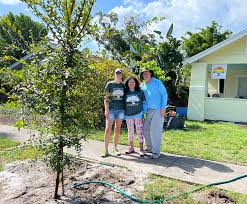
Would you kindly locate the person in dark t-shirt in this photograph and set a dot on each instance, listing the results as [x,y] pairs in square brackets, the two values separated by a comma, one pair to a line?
[135,105]
[114,110]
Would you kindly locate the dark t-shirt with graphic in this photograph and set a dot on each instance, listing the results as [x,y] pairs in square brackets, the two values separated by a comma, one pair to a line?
[116,98]
[133,102]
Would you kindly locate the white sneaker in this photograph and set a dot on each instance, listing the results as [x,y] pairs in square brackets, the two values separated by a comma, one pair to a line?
[142,153]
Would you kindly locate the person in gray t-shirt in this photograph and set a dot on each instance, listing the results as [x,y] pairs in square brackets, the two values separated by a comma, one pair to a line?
[114,110]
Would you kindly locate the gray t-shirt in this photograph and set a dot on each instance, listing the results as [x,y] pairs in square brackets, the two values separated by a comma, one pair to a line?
[116,98]
[134,102]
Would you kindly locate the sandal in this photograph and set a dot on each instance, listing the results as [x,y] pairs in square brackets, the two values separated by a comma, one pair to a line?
[130,151]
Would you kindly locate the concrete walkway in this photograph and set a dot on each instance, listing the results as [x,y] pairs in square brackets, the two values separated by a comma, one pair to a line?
[173,166]
[13,133]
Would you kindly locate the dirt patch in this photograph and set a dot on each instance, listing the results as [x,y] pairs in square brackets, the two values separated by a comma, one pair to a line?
[213,197]
[33,182]
[219,197]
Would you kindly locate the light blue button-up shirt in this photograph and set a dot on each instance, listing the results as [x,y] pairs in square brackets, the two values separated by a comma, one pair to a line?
[155,94]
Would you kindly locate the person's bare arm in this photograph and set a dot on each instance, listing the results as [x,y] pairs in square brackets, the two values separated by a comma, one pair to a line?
[106,104]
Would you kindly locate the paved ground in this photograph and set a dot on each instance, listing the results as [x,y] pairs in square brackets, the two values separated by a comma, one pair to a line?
[174,166]
[15,134]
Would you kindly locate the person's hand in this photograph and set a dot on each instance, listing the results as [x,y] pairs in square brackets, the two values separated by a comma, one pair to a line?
[163,112]
[107,114]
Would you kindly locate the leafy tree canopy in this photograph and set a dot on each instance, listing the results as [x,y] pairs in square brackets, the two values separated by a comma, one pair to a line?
[17,33]
[194,43]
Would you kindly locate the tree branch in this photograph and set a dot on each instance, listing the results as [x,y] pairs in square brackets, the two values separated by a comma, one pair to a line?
[86,21]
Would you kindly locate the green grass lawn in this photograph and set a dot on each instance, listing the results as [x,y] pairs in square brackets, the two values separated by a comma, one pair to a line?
[8,156]
[162,187]
[224,142]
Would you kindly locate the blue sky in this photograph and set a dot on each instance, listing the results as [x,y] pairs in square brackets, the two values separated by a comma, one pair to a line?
[16,6]
[187,15]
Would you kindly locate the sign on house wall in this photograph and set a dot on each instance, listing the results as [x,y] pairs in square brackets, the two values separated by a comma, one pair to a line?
[218,71]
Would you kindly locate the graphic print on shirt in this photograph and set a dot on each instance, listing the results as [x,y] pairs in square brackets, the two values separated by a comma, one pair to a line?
[117,94]
[133,99]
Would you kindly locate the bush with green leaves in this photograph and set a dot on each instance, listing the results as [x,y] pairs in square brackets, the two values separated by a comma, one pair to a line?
[99,73]
[152,65]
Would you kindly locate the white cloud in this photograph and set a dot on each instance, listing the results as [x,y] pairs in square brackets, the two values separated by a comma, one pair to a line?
[9,2]
[136,3]
[237,11]
[124,11]
[188,15]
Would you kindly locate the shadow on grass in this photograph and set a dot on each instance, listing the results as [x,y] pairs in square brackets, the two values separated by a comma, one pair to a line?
[198,127]
[191,127]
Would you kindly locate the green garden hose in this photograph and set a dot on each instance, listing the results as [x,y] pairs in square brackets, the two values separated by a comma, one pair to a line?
[78,185]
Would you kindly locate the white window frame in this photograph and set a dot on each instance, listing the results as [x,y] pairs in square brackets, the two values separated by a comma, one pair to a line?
[237,83]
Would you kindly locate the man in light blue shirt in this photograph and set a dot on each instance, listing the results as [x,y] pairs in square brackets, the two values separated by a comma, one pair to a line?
[156,99]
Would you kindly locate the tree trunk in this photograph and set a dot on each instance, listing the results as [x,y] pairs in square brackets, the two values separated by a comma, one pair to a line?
[62,181]
[57,185]
[61,139]
[62,107]
[60,171]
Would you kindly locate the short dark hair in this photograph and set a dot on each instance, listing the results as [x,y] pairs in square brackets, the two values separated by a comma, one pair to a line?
[137,85]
